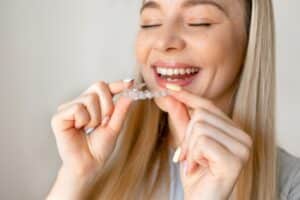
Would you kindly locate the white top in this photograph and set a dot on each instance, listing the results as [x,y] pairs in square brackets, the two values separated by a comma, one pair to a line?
[289,177]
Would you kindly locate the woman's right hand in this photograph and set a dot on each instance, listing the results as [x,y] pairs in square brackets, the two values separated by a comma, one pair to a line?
[83,153]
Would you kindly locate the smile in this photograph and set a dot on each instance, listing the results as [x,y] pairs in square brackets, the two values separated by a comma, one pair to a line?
[178,73]
[175,73]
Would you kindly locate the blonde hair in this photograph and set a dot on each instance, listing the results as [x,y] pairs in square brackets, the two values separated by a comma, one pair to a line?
[139,167]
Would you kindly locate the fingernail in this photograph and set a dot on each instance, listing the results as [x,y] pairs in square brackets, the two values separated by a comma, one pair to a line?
[177,155]
[88,130]
[105,120]
[128,80]
[185,167]
[173,87]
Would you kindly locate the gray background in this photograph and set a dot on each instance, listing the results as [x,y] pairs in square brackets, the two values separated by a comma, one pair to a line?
[51,50]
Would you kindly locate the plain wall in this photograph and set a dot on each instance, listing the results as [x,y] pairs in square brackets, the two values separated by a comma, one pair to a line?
[52,50]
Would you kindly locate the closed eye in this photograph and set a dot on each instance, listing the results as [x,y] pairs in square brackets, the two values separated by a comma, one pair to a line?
[150,26]
[157,25]
[201,24]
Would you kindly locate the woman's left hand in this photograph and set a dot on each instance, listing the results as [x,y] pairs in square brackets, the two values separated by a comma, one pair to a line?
[213,152]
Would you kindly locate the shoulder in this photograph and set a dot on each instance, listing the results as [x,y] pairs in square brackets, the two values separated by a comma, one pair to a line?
[289,175]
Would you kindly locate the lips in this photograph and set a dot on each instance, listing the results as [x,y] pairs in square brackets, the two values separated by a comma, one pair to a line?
[172,64]
[178,73]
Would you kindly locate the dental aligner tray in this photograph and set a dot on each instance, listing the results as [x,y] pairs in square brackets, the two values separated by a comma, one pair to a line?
[140,92]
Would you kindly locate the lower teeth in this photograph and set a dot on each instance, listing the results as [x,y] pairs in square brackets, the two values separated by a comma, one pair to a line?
[168,78]
[174,79]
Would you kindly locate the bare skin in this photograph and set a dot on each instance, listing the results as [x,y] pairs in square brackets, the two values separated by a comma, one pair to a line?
[212,36]
[218,49]
[83,156]
[201,108]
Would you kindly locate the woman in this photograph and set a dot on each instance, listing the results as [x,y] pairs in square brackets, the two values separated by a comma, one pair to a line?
[216,58]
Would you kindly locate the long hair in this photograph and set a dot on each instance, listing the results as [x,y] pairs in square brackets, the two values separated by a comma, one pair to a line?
[139,166]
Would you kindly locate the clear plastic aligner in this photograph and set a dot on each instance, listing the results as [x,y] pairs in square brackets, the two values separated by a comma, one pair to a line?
[138,92]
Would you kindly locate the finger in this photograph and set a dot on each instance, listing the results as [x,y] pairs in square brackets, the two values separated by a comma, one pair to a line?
[179,117]
[195,101]
[104,137]
[203,115]
[91,102]
[74,116]
[105,98]
[231,144]
[114,88]
[119,114]
[185,143]
[189,143]
[218,157]
[119,86]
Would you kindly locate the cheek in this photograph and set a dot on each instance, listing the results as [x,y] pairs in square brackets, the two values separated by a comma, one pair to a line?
[142,48]
[219,49]
[221,54]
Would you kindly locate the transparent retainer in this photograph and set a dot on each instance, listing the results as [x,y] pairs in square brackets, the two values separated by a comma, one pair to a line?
[137,92]
[140,92]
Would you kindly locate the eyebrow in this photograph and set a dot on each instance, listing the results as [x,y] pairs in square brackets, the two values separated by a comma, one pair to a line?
[186,4]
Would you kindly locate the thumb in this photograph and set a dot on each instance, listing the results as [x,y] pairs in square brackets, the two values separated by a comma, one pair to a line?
[179,116]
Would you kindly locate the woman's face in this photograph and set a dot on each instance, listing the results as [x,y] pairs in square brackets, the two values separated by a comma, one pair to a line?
[197,44]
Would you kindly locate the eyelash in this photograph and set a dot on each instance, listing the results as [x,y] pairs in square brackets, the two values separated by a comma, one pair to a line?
[201,24]
[150,26]
[157,25]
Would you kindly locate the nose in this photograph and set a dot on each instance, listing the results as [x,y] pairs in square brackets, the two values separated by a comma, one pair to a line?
[169,40]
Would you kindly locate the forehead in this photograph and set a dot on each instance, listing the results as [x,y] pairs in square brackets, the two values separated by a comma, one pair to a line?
[185,1]
[157,4]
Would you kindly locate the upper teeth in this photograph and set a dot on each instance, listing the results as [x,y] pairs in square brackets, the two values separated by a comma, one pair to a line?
[176,71]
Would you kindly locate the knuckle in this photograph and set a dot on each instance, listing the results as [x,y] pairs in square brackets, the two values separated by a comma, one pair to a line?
[247,139]
[91,98]
[55,122]
[100,85]
[245,154]
[79,107]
